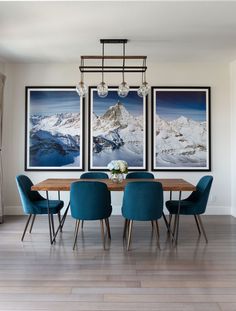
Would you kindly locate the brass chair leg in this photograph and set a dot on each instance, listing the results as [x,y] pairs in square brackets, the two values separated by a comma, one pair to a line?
[129,233]
[157,228]
[26,226]
[170,219]
[82,224]
[158,234]
[108,228]
[102,233]
[125,228]
[59,220]
[152,225]
[52,222]
[175,223]
[76,232]
[202,227]
[198,227]
[32,223]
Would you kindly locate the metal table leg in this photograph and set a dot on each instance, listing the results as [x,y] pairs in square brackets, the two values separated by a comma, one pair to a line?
[49,219]
[61,224]
[177,219]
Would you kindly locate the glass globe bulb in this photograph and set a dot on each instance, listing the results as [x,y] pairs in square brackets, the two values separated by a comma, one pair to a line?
[143,89]
[102,89]
[82,89]
[123,89]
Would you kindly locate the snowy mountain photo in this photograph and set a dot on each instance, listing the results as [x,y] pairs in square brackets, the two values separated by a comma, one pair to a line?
[118,130]
[180,129]
[54,136]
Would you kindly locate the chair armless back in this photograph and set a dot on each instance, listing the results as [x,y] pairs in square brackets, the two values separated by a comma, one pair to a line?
[90,200]
[201,195]
[94,175]
[144,175]
[143,201]
[28,197]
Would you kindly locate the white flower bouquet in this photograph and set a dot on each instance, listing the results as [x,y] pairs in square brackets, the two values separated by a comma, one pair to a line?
[118,167]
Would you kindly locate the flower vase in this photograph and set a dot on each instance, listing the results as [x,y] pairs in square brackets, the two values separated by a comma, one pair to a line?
[117,177]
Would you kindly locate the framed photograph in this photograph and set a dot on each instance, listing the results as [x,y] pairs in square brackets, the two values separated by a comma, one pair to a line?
[54,129]
[181,129]
[117,129]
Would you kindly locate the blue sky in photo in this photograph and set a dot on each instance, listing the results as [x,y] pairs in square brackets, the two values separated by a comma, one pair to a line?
[133,103]
[52,102]
[171,105]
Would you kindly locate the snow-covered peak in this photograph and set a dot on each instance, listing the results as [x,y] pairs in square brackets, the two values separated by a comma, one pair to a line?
[117,112]
[64,123]
[183,120]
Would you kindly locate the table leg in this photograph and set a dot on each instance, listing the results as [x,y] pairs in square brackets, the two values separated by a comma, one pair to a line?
[49,219]
[177,219]
[61,224]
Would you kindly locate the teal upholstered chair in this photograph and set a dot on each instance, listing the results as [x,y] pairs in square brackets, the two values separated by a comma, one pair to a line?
[34,204]
[90,200]
[140,175]
[94,175]
[195,204]
[142,201]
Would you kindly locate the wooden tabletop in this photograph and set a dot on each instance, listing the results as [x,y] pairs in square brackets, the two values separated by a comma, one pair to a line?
[63,184]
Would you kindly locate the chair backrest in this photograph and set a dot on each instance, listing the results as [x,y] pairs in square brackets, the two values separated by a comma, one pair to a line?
[28,197]
[201,195]
[89,200]
[94,175]
[143,200]
[134,175]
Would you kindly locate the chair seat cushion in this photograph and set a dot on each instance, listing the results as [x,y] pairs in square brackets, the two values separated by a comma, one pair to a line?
[186,207]
[54,205]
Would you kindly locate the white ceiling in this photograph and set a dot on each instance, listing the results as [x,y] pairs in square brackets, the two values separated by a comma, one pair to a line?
[164,31]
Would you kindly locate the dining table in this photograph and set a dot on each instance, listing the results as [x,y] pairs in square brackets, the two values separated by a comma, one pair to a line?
[63,184]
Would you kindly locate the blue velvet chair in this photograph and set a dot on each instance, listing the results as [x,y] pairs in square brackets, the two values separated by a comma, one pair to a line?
[94,175]
[194,205]
[142,201]
[90,200]
[134,175]
[34,204]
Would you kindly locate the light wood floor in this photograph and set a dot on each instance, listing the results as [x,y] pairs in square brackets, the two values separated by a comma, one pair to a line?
[192,277]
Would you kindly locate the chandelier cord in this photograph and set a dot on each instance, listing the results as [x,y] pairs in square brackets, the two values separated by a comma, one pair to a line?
[103,63]
[123,73]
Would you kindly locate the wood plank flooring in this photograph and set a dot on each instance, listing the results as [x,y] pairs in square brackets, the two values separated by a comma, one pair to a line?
[192,277]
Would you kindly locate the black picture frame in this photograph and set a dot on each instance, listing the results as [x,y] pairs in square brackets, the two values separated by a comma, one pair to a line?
[193,153]
[91,167]
[73,147]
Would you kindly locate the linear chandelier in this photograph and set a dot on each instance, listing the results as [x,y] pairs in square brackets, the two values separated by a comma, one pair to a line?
[102,88]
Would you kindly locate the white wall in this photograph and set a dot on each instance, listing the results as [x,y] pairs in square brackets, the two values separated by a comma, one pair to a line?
[162,74]
[233,136]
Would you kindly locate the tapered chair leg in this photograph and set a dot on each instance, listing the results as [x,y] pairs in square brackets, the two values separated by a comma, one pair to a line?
[198,227]
[170,219]
[102,233]
[59,220]
[26,226]
[52,222]
[129,233]
[158,234]
[108,228]
[82,224]
[125,228]
[202,227]
[32,223]
[76,232]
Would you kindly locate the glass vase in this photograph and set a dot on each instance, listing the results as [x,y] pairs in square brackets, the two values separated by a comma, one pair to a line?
[117,177]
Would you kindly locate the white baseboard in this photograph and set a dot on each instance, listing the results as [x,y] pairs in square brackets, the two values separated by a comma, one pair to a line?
[116,210]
